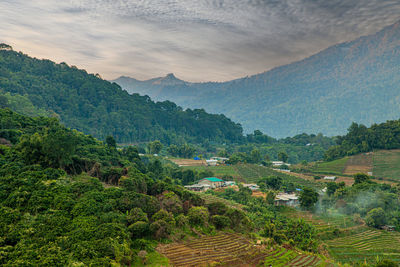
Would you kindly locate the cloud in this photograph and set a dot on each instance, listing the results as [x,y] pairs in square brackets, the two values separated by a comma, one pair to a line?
[197,40]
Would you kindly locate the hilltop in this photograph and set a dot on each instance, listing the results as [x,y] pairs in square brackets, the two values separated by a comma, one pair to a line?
[352,81]
[95,106]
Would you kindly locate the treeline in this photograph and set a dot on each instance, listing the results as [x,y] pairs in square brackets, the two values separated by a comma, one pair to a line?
[56,210]
[361,139]
[97,107]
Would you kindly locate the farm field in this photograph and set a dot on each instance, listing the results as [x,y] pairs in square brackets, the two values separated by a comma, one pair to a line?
[386,164]
[251,173]
[331,167]
[188,162]
[360,243]
[361,163]
[365,245]
[232,250]
[220,170]
[323,223]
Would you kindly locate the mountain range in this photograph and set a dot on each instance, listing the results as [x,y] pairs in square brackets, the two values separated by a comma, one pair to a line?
[356,81]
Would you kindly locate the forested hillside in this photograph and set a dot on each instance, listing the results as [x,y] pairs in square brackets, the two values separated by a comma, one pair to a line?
[353,81]
[363,139]
[90,104]
[67,199]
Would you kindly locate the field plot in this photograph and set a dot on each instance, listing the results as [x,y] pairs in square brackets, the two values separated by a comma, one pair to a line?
[188,162]
[223,249]
[219,171]
[331,167]
[361,163]
[366,246]
[386,164]
[252,173]
[232,250]
[323,223]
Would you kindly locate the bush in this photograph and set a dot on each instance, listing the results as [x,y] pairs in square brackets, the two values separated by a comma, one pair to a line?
[198,215]
[139,229]
[220,221]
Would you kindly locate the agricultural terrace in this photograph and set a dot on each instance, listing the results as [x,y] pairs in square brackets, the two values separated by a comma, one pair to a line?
[365,244]
[251,173]
[386,164]
[335,167]
[323,222]
[355,242]
[232,250]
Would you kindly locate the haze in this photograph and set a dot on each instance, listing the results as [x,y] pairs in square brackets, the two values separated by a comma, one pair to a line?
[196,40]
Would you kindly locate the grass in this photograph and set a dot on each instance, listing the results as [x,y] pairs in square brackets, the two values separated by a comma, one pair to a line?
[153,259]
[386,164]
[331,167]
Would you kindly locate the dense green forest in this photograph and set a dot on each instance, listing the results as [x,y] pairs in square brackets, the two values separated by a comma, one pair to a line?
[67,198]
[90,104]
[363,139]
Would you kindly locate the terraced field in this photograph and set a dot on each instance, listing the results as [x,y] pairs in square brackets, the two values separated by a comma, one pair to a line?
[366,246]
[232,250]
[335,167]
[386,164]
[223,249]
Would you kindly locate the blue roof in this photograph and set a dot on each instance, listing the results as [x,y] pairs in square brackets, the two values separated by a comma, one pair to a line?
[213,179]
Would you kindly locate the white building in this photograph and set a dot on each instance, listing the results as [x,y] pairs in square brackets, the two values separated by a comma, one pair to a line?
[330,178]
[211,162]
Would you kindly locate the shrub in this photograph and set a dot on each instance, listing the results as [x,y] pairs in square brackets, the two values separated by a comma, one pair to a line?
[198,215]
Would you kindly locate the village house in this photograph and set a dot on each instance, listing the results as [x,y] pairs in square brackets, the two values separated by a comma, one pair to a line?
[330,178]
[220,160]
[229,183]
[211,162]
[279,163]
[284,199]
[214,182]
[252,187]
[198,187]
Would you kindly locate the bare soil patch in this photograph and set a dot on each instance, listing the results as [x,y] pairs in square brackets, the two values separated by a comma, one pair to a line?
[189,162]
[361,163]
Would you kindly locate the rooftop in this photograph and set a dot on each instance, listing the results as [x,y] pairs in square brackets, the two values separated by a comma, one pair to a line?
[213,179]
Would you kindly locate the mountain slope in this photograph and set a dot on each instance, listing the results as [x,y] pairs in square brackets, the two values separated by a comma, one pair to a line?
[90,104]
[353,81]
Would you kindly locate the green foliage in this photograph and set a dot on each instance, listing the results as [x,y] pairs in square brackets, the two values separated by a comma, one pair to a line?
[360,178]
[86,102]
[154,147]
[198,215]
[376,218]
[360,139]
[308,197]
[183,151]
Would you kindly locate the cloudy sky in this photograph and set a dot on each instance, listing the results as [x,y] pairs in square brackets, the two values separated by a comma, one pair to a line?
[198,40]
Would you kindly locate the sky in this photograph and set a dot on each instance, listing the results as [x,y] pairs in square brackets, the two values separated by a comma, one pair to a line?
[197,40]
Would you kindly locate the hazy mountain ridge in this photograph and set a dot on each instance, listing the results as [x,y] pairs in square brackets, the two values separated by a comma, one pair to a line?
[352,81]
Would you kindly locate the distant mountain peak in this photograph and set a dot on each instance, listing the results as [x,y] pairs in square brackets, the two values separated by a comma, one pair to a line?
[169,79]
